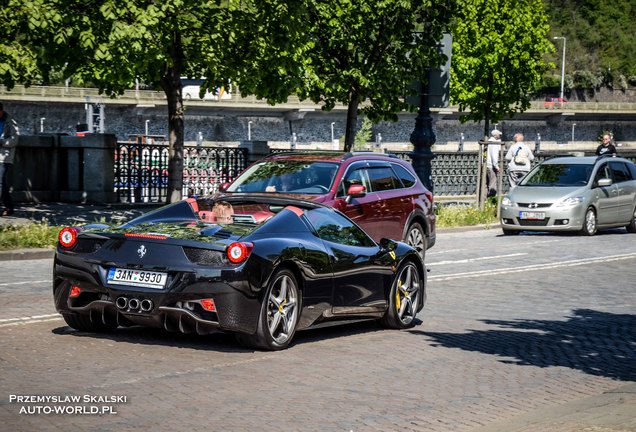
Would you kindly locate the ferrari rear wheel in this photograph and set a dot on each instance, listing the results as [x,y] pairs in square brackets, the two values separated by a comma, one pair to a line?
[279,314]
[75,320]
[405,298]
[84,323]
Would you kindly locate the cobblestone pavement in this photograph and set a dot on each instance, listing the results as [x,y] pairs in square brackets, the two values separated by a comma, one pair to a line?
[513,328]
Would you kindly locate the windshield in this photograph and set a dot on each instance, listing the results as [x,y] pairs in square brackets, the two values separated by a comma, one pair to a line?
[288,176]
[562,175]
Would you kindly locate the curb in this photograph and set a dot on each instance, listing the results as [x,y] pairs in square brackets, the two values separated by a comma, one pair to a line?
[481,227]
[26,254]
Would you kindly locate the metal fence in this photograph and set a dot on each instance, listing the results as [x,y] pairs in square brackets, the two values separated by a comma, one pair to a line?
[141,169]
[455,173]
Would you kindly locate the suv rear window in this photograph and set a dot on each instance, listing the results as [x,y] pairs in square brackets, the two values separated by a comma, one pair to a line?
[407,178]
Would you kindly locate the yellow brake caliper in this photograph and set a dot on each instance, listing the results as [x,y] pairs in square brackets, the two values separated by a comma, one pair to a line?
[398,301]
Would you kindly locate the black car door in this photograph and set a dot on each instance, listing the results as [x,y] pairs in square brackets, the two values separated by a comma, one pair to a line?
[358,278]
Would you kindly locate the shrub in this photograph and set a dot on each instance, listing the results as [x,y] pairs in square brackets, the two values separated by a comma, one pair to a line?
[30,235]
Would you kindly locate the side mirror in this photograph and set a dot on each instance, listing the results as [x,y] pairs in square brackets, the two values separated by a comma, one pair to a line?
[355,191]
[604,182]
[387,245]
[224,187]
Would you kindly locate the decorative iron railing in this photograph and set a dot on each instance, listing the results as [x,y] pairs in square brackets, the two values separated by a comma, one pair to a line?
[455,173]
[141,169]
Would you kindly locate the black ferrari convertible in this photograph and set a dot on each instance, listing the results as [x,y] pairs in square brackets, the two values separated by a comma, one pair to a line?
[258,266]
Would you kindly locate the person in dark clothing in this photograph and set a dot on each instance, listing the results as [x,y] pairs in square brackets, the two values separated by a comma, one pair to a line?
[8,141]
[606,148]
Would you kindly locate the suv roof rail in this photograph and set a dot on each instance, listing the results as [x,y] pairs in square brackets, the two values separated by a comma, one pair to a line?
[308,152]
[368,153]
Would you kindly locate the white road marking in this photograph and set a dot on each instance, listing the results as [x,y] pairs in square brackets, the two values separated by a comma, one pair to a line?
[28,320]
[25,282]
[544,266]
[476,259]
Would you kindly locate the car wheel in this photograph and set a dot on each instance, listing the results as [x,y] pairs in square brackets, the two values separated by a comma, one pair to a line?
[416,238]
[85,324]
[589,224]
[631,227]
[510,232]
[279,314]
[404,298]
[78,322]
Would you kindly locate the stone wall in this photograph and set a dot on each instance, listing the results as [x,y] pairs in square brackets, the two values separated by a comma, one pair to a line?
[314,129]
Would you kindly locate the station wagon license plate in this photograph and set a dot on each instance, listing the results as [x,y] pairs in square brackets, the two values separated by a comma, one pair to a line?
[139,278]
[528,215]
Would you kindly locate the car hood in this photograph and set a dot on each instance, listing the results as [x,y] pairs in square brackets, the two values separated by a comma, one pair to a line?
[530,194]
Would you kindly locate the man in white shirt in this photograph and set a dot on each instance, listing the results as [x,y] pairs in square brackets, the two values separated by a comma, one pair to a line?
[519,159]
[492,161]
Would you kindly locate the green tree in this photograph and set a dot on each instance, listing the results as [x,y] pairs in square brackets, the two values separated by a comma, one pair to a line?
[363,135]
[18,59]
[113,43]
[362,54]
[498,57]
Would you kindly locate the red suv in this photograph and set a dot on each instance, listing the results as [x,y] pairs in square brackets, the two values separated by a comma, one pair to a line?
[381,193]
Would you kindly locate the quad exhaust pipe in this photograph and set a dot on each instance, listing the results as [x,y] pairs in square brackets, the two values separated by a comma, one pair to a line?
[121,303]
[133,304]
[145,305]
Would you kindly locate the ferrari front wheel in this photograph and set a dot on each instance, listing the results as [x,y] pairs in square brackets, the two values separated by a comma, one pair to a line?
[279,314]
[404,298]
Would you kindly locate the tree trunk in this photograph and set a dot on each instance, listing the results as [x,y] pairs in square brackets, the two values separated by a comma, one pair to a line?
[171,84]
[352,120]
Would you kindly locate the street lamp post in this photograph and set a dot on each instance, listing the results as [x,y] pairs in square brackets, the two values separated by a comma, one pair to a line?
[562,65]
[423,137]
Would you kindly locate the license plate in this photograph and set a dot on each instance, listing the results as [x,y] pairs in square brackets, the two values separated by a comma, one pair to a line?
[531,215]
[139,278]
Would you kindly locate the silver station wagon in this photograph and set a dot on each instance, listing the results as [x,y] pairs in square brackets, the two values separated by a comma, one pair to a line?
[581,194]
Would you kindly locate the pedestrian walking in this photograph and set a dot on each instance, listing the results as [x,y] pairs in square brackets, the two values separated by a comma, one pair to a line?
[606,147]
[8,141]
[492,161]
[519,157]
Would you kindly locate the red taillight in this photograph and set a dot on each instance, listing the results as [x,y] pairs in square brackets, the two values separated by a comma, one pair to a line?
[208,305]
[67,237]
[74,292]
[238,252]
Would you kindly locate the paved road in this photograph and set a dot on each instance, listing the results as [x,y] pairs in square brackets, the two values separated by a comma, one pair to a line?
[513,326]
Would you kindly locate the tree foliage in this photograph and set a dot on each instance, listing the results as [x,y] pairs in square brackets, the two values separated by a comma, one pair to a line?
[358,53]
[601,41]
[113,43]
[498,57]
[19,59]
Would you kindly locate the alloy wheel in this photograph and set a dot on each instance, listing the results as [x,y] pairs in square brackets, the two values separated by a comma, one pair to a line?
[590,222]
[407,294]
[282,310]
